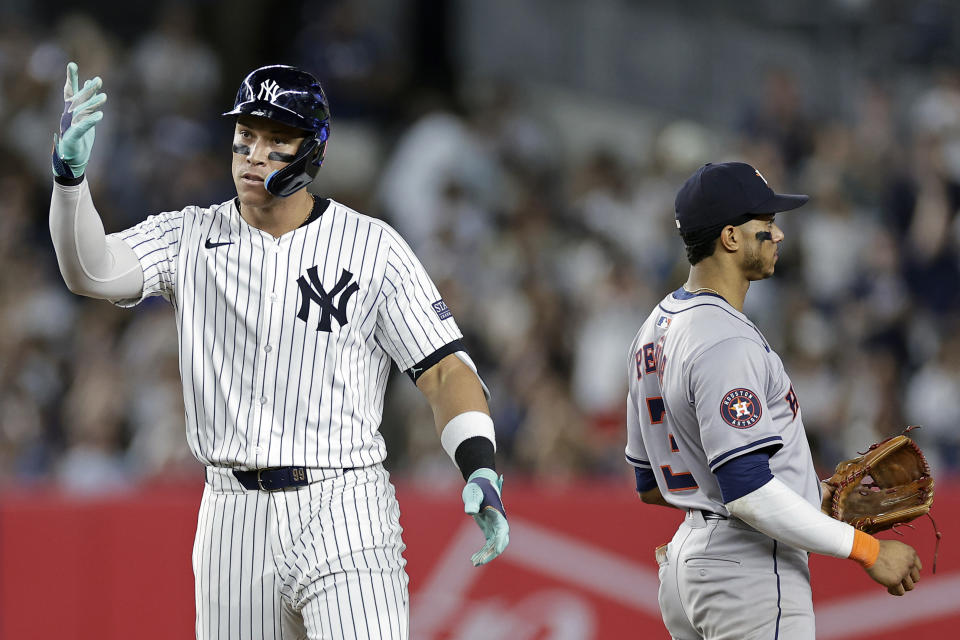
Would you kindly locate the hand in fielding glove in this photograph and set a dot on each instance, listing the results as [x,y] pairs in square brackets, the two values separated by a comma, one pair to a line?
[888,485]
[481,499]
[81,111]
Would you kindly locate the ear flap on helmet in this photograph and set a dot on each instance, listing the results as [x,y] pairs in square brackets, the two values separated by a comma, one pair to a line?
[299,173]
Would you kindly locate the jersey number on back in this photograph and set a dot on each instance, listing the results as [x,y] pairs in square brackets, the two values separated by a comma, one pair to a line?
[650,359]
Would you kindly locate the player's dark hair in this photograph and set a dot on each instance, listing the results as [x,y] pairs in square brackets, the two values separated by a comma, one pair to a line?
[701,243]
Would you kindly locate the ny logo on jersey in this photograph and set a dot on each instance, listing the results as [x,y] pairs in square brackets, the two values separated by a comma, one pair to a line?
[268,91]
[313,291]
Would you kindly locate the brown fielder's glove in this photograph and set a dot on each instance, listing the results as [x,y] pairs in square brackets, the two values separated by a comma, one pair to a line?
[887,486]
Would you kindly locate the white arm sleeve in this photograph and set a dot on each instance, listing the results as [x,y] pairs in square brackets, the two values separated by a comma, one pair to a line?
[781,513]
[91,263]
[467,360]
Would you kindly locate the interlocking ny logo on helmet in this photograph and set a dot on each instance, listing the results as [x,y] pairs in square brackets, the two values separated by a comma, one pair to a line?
[294,98]
[268,91]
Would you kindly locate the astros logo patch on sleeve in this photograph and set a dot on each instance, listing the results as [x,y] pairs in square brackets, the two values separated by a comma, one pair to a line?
[741,408]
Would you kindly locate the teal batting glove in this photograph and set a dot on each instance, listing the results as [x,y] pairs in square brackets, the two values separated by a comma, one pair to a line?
[481,499]
[81,111]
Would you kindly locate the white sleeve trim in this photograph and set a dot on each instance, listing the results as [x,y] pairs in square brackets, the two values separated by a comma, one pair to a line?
[466,425]
[91,263]
[781,513]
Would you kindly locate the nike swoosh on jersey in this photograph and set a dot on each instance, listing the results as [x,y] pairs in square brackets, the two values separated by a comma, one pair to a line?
[213,245]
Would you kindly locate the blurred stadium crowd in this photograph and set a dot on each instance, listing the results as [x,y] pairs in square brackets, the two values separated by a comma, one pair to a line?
[549,260]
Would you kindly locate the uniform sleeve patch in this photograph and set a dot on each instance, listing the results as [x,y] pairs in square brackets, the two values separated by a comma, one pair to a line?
[740,408]
[441,308]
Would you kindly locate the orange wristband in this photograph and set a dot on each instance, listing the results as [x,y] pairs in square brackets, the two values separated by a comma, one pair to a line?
[866,548]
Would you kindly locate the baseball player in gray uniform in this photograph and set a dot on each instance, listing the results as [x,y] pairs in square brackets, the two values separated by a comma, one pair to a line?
[714,427]
[289,309]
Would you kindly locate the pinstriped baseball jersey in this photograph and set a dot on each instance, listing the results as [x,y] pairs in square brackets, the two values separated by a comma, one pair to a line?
[285,343]
[705,387]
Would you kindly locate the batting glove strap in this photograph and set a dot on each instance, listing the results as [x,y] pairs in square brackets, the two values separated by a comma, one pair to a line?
[489,484]
[61,170]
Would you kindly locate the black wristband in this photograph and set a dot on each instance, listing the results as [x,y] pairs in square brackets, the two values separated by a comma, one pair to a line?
[68,182]
[474,453]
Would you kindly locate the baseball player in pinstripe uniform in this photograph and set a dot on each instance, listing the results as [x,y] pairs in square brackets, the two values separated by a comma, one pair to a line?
[714,427]
[289,309]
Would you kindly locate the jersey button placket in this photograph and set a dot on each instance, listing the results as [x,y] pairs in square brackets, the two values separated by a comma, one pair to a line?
[271,320]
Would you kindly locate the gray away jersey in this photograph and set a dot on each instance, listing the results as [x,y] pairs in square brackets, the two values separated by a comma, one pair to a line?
[705,387]
[285,343]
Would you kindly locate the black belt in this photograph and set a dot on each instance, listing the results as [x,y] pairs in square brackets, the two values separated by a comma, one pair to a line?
[709,515]
[273,479]
[732,521]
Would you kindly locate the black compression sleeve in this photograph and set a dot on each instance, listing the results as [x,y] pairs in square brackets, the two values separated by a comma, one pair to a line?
[68,182]
[474,453]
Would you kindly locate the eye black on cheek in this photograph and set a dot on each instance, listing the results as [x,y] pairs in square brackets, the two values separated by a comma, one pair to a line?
[241,149]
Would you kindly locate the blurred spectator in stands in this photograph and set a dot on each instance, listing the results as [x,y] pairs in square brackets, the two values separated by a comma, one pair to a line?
[781,116]
[875,149]
[833,235]
[603,203]
[171,123]
[933,401]
[921,208]
[94,423]
[362,69]
[872,396]
[438,149]
[607,320]
[878,307]
[171,69]
[553,440]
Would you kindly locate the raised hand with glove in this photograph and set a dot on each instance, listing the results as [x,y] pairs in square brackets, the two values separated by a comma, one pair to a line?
[81,112]
[92,264]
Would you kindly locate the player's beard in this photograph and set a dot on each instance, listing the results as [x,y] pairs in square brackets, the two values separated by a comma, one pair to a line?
[754,266]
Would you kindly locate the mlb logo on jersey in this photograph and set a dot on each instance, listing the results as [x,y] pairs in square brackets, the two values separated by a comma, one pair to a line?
[740,408]
[663,322]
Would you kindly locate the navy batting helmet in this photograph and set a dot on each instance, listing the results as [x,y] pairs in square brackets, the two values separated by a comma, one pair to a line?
[294,98]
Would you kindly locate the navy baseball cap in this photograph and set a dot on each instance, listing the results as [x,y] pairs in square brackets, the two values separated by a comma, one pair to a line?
[727,193]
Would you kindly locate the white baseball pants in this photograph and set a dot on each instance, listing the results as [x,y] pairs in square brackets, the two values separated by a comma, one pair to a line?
[319,562]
